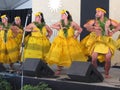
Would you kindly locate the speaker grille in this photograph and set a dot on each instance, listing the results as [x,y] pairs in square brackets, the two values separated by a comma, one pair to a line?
[84,72]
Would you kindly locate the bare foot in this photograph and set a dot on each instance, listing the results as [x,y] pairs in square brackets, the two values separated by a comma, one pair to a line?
[108,76]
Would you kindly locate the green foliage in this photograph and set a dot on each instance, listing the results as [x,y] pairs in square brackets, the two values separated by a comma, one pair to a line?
[40,86]
[4,85]
[28,87]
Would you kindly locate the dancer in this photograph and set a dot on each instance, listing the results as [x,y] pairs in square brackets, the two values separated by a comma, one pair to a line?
[38,43]
[99,43]
[17,21]
[9,49]
[17,29]
[65,47]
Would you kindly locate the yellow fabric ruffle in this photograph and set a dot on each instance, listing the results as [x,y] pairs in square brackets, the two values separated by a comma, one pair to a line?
[18,38]
[9,50]
[87,42]
[99,44]
[64,50]
[37,45]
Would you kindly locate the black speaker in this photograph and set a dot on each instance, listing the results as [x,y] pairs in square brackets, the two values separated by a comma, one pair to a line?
[36,67]
[2,68]
[84,72]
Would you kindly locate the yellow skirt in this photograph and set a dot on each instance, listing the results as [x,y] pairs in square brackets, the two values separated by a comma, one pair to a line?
[18,39]
[63,51]
[36,47]
[87,42]
[9,51]
[99,44]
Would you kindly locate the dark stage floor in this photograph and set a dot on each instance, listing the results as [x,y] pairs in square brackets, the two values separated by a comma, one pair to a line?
[113,82]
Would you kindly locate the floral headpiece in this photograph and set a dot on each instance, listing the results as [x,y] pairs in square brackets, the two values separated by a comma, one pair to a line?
[17,17]
[4,16]
[101,9]
[38,14]
[64,12]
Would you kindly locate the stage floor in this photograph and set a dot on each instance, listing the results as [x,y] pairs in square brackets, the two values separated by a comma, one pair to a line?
[113,82]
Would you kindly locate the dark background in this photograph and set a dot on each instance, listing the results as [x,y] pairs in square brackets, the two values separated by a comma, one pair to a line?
[21,12]
[88,12]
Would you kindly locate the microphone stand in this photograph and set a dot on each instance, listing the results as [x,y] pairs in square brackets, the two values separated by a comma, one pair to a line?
[22,49]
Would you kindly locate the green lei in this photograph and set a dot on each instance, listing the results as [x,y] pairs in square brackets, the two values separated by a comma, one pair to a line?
[40,26]
[19,26]
[102,25]
[66,27]
[6,30]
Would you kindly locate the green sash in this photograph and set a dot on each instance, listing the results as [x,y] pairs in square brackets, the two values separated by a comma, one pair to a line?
[66,27]
[40,26]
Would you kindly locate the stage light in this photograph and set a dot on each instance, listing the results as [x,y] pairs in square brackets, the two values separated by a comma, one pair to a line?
[54,5]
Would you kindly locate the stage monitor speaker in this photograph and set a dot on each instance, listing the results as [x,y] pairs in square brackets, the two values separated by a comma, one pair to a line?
[84,72]
[2,68]
[36,67]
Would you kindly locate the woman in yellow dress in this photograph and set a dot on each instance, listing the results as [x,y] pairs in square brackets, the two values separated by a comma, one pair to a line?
[9,50]
[99,43]
[19,29]
[38,43]
[65,47]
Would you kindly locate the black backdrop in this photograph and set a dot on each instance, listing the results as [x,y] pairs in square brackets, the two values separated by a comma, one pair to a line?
[88,11]
[20,12]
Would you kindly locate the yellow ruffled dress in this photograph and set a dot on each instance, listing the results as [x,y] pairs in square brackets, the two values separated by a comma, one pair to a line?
[37,45]
[64,50]
[9,50]
[18,38]
[99,44]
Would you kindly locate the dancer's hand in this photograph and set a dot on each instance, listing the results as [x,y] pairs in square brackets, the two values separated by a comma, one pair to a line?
[110,33]
[34,30]
[64,28]
[75,36]
[48,36]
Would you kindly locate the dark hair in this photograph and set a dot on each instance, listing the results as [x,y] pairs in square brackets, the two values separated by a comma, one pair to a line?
[42,19]
[13,23]
[69,16]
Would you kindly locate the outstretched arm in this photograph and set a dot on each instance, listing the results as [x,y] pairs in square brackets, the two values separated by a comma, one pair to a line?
[30,27]
[50,32]
[56,26]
